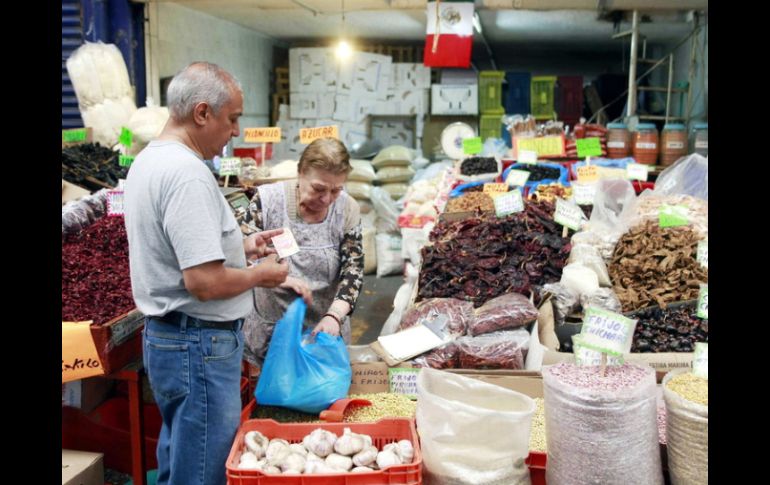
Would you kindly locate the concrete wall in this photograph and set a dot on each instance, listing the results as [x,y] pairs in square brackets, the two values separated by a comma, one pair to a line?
[699,91]
[179,35]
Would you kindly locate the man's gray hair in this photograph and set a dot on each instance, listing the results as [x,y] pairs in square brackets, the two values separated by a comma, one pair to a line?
[199,82]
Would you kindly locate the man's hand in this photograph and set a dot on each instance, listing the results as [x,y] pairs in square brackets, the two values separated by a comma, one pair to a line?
[255,245]
[271,272]
[299,287]
[327,325]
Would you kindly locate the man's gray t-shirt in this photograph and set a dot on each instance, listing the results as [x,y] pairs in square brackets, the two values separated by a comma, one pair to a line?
[177,218]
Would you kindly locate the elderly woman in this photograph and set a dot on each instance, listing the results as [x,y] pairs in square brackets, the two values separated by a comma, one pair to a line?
[328,270]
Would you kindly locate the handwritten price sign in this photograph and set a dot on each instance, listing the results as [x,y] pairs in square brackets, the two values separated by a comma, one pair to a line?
[262,135]
[703,302]
[607,332]
[309,135]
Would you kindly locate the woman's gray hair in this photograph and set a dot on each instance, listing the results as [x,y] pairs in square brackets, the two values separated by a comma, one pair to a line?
[199,82]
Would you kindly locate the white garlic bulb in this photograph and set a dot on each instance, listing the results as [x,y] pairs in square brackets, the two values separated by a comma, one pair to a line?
[365,457]
[320,442]
[406,451]
[318,467]
[387,458]
[294,462]
[339,462]
[361,469]
[298,448]
[256,442]
[367,440]
[277,451]
[349,443]
[248,456]
[272,470]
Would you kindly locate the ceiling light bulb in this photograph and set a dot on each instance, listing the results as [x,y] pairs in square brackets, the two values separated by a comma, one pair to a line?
[343,50]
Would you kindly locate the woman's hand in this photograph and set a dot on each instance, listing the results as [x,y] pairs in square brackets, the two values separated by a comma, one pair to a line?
[327,325]
[300,288]
[255,245]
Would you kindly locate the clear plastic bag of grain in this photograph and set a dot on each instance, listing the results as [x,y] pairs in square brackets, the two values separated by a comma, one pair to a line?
[601,429]
[687,427]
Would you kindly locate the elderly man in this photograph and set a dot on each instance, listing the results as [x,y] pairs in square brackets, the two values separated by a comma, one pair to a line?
[189,276]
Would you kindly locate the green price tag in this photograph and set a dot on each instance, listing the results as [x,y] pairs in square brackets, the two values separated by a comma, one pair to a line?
[607,332]
[126,137]
[673,215]
[589,147]
[125,160]
[703,253]
[508,203]
[472,146]
[230,166]
[703,302]
[74,136]
[585,356]
[700,362]
[568,214]
[402,380]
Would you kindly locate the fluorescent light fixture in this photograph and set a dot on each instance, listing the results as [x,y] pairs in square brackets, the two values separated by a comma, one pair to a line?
[343,50]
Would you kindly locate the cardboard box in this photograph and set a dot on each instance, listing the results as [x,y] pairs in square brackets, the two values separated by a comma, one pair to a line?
[87,394]
[311,106]
[82,468]
[312,70]
[394,131]
[365,75]
[523,381]
[353,109]
[404,102]
[447,99]
[369,377]
[459,76]
[353,133]
[71,191]
[407,75]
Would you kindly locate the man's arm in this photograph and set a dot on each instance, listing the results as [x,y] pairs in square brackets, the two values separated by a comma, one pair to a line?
[214,281]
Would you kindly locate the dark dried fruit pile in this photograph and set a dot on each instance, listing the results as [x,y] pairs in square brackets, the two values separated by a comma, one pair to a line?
[654,266]
[479,258]
[92,166]
[539,172]
[478,165]
[669,330]
[96,283]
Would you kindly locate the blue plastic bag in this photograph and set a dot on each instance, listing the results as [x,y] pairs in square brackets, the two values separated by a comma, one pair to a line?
[300,372]
[532,185]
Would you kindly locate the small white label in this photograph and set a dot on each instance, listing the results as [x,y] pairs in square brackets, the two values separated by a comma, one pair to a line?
[588,357]
[509,203]
[644,145]
[527,156]
[517,178]
[584,194]
[403,381]
[285,244]
[675,145]
[122,184]
[616,144]
[115,206]
[230,166]
[568,214]
[607,332]
[700,362]
[636,171]
[701,144]
[703,302]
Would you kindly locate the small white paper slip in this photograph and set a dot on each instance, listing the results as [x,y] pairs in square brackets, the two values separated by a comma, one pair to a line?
[568,214]
[508,203]
[703,253]
[527,156]
[700,362]
[285,244]
[115,203]
[636,171]
[517,178]
[584,194]
[411,342]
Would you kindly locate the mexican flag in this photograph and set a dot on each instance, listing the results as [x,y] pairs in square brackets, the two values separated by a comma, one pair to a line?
[450,34]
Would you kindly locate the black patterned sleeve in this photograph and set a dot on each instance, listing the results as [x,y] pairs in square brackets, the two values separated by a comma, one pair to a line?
[252,221]
[351,267]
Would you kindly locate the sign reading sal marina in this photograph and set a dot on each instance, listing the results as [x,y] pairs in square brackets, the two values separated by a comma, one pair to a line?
[270,134]
[308,135]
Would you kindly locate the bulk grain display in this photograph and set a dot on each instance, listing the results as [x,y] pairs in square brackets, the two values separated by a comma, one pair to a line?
[601,429]
[687,426]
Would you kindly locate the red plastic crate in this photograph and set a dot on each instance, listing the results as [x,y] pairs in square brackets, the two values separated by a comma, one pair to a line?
[247,410]
[383,432]
[536,463]
[106,430]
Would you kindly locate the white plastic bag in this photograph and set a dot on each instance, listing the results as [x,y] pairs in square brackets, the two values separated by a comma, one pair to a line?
[362,171]
[688,176]
[472,432]
[413,240]
[580,279]
[392,175]
[393,156]
[98,72]
[359,190]
[107,119]
[370,250]
[396,191]
[389,260]
[146,124]
[589,256]
[387,211]
[401,301]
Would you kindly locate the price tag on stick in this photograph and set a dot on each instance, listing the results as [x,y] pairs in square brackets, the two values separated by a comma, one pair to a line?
[700,362]
[568,215]
[508,203]
[517,178]
[703,253]
[607,332]
[472,146]
[703,302]
[308,135]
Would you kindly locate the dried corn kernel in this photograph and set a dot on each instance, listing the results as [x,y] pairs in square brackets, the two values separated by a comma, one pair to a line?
[537,434]
[690,387]
[384,405]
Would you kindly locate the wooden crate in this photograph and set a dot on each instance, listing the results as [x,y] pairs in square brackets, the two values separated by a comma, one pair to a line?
[119,341]
[282,80]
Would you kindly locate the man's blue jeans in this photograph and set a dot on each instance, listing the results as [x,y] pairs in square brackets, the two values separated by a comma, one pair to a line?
[195,378]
